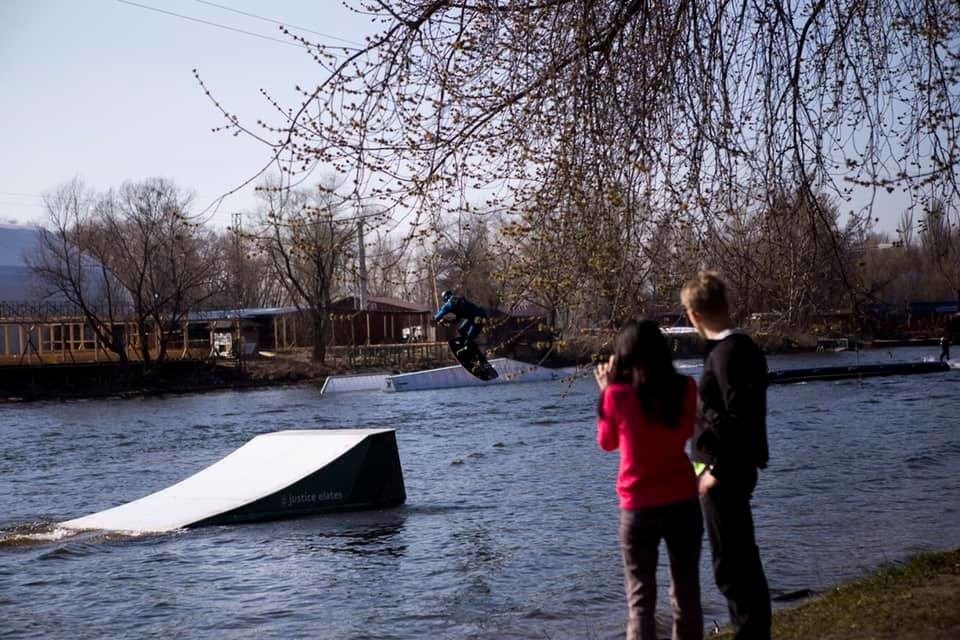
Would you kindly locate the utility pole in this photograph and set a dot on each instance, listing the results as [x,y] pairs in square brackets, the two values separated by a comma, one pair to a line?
[362,265]
[239,280]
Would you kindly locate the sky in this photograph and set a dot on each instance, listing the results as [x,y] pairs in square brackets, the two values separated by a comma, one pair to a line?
[104,90]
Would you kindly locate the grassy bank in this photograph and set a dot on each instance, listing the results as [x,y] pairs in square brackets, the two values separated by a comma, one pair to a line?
[919,600]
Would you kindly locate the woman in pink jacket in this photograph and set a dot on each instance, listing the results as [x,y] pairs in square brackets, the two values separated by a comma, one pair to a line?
[647,411]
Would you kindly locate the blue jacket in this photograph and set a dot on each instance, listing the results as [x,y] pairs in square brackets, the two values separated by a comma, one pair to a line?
[460,307]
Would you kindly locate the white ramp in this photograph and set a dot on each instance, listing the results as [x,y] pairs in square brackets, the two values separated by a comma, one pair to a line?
[276,475]
[359,382]
[456,376]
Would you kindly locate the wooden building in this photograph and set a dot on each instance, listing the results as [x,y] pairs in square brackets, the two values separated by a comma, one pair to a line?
[384,321]
[230,333]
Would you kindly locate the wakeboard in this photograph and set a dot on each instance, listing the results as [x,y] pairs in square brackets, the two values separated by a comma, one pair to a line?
[472,359]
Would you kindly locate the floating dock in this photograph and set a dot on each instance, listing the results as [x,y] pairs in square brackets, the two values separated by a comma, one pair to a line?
[277,475]
[856,371]
[510,371]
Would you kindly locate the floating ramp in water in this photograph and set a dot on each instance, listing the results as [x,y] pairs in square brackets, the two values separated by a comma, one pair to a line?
[358,382]
[456,376]
[277,475]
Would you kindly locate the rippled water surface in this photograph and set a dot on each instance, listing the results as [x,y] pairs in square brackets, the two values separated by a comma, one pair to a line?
[510,527]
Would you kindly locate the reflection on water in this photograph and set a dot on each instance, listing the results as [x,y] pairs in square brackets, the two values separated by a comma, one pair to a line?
[510,529]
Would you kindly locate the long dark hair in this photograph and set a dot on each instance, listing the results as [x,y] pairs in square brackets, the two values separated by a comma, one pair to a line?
[643,359]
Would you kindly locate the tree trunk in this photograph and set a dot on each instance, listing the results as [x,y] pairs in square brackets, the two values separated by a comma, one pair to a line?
[319,338]
[144,339]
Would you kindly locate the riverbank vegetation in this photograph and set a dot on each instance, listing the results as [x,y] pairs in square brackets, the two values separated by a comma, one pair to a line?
[182,268]
[919,599]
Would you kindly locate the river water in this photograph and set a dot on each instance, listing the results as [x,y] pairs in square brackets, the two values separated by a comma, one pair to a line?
[510,526]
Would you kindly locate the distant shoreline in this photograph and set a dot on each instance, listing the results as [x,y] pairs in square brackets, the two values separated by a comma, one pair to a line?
[109,380]
[103,380]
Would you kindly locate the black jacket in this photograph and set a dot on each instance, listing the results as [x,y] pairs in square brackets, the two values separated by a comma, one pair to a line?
[731,430]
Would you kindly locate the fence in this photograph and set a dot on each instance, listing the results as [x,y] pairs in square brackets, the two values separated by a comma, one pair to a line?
[389,355]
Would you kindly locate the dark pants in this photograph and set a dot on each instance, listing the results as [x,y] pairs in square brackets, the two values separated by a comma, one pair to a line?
[469,328]
[736,558]
[681,526]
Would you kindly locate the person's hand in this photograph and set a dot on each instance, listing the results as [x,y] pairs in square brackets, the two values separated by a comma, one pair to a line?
[707,481]
[604,373]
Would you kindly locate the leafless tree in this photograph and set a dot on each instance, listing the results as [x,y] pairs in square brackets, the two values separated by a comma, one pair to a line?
[465,262]
[163,260]
[129,255]
[308,236]
[734,246]
[905,232]
[579,116]
[396,268]
[244,276]
[891,272]
[941,243]
[796,272]
[67,264]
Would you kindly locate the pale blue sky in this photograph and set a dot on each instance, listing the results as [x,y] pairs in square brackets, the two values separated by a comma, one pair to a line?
[104,90]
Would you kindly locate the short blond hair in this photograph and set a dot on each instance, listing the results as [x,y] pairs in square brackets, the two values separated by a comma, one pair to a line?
[706,295]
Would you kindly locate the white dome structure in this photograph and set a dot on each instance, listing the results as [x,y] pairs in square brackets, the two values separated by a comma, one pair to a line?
[38,323]
[17,282]
[20,286]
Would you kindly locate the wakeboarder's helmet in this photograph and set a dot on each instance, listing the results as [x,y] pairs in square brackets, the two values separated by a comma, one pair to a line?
[446,295]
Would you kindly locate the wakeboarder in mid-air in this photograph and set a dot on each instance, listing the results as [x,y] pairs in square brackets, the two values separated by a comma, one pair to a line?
[470,319]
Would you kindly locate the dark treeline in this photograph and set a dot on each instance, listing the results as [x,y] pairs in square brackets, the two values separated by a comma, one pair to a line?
[137,252]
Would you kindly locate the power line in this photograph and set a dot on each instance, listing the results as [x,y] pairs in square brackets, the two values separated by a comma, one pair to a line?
[21,204]
[211,24]
[282,24]
[21,194]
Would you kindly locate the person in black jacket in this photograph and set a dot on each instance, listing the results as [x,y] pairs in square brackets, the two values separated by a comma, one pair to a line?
[729,446]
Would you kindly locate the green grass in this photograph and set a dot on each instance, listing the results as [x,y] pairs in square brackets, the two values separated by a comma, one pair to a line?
[919,600]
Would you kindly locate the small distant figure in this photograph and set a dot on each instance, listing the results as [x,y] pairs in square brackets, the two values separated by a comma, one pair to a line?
[470,317]
[944,348]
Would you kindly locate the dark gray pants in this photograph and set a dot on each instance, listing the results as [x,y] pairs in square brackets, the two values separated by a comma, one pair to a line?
[681,526]
[736,558]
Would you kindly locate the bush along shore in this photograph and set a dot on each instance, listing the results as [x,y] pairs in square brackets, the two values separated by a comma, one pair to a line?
[918,599]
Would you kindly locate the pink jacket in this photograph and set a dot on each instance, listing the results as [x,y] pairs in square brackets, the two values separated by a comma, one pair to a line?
[654,467]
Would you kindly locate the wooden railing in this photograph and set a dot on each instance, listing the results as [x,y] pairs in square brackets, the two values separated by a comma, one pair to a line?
[389,355]
[87,356]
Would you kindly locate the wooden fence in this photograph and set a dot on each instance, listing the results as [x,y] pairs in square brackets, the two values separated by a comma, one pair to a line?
[389,355]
